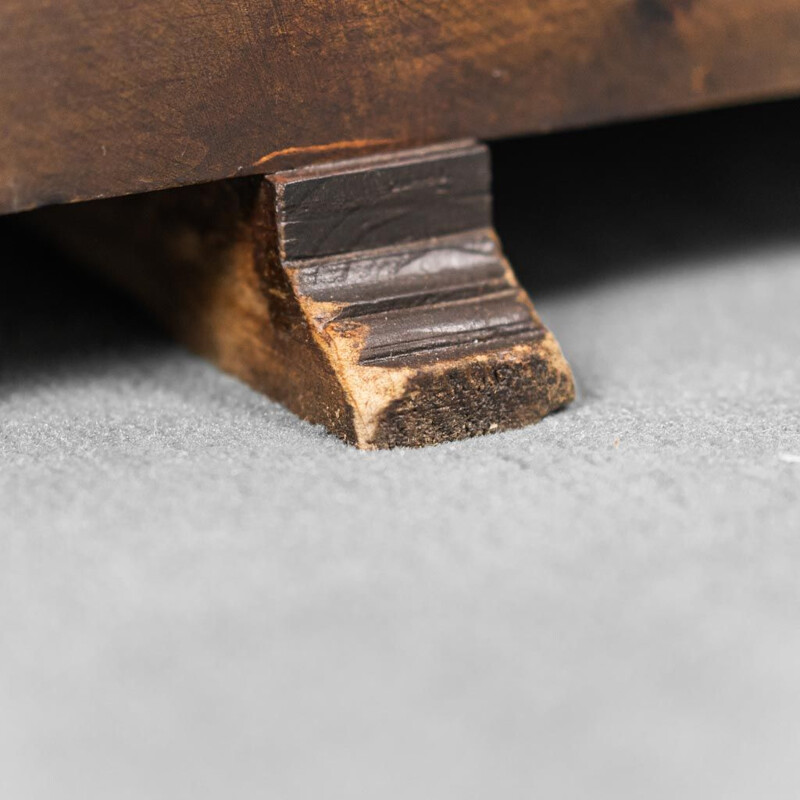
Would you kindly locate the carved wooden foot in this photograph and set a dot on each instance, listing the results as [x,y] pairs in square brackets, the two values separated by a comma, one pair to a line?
[369,295]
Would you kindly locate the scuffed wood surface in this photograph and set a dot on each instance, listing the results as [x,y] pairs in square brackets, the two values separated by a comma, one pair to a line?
[392,321]
[109,97]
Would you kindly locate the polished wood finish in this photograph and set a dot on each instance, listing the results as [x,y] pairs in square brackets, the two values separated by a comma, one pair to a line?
[369,295]
[109,97]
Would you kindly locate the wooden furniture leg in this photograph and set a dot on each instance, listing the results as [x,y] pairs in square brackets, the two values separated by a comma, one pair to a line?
[370,295]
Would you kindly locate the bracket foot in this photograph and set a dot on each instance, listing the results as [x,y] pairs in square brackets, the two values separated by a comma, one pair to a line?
[369,295]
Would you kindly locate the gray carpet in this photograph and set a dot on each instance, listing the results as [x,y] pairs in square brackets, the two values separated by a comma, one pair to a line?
[202,597]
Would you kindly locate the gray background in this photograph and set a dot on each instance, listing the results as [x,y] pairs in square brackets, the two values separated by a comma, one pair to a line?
[201,596]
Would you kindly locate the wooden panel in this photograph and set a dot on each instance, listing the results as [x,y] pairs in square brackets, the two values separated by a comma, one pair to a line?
[107,97]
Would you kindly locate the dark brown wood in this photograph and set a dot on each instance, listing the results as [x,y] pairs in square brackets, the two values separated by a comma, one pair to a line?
[109,97]
[368,295]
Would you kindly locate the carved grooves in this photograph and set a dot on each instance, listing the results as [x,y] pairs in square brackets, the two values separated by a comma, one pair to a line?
[402,249]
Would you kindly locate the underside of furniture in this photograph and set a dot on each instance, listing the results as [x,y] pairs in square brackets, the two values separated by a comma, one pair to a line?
[369,295]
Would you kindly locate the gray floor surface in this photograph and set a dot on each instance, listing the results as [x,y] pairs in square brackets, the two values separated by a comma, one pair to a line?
[201,596]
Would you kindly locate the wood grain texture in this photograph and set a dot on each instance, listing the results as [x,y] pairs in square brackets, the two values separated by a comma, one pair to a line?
[392,320]
[109,97]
